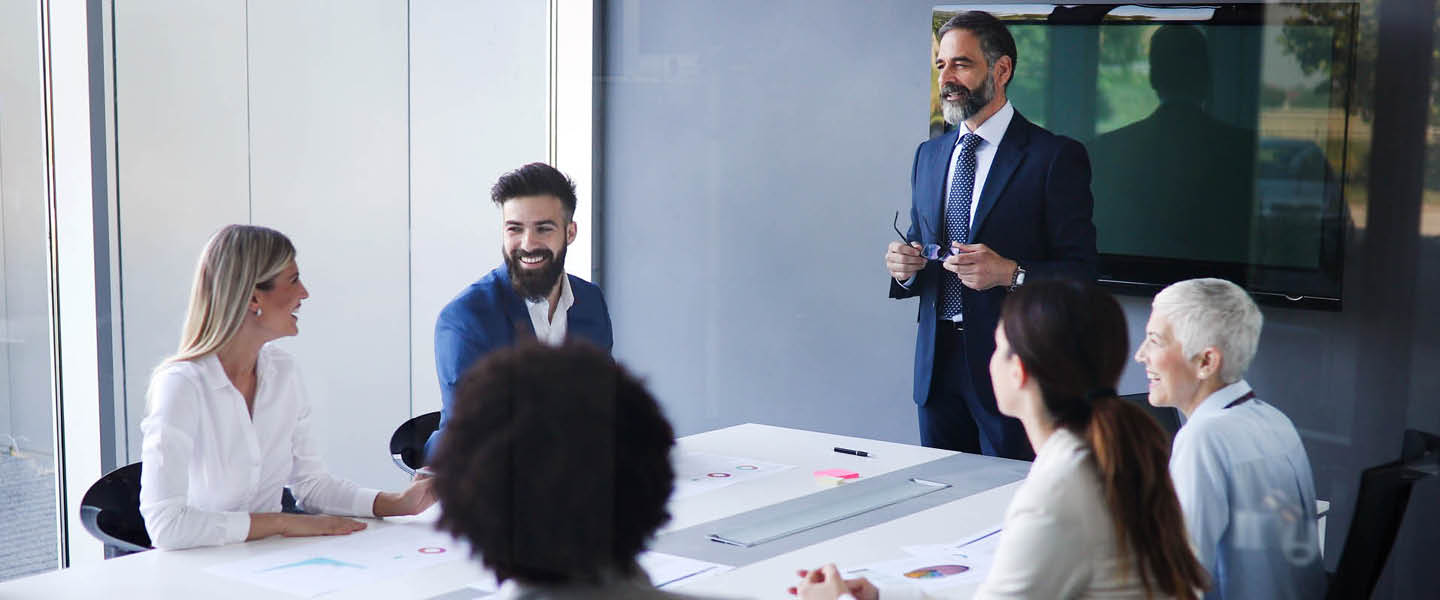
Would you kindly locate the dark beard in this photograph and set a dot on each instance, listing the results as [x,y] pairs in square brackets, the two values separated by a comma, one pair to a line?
[971,102]
[534,284]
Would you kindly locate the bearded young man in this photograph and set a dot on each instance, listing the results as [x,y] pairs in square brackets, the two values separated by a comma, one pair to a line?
[1009,203]
[529,296]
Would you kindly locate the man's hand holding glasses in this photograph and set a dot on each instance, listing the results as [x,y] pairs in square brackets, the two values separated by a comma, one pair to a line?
[906,257]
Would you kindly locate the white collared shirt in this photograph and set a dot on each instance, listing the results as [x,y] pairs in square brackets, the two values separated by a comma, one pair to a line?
[547,330]
[1248,495]
[991,131]
[208,465]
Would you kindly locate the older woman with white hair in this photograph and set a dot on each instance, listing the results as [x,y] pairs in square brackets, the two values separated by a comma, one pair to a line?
[228,425]
[1240,471]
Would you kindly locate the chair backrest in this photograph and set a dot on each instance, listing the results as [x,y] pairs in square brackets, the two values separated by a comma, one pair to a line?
[1169,418]
[110,511]
[407,444]
[1379,511]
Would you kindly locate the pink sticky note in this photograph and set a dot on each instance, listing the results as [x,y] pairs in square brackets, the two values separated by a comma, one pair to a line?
[837,473]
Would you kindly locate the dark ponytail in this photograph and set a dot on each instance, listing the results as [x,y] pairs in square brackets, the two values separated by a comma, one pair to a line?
[1132,454]
[1072,339]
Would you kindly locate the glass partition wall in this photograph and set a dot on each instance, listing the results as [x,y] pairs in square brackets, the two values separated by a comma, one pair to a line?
[29,531]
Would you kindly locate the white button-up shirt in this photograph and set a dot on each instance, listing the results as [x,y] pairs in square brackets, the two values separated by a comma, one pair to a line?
[991,132]
[208,465]
[1248,496]
[547,330]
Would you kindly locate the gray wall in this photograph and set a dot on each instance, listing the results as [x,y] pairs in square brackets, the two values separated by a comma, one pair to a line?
[752,156]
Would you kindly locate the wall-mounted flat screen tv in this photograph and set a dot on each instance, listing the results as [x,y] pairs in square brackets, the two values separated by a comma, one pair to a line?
[1217,135]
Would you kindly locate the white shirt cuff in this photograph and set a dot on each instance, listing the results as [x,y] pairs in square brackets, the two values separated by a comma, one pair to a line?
[236,527]
[364,503]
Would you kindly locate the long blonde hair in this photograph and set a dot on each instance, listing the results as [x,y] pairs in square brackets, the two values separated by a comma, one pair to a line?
[237,260]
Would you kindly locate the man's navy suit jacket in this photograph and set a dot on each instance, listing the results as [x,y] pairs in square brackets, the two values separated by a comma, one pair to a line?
[1035,209]
[488,315]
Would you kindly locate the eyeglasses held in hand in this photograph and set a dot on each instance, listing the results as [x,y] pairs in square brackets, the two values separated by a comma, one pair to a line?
[929,251]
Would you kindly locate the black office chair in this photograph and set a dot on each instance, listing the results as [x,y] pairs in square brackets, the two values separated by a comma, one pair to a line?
[407,444]
[110,511]
[1379,511]
[1169,418]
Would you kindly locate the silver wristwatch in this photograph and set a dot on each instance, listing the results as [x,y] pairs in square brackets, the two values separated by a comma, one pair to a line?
[1018,279]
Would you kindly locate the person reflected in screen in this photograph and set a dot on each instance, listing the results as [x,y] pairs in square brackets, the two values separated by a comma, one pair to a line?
[529,296]
[1097,515]
[228,425]
[557,471]
[1179,183]
[1240,469]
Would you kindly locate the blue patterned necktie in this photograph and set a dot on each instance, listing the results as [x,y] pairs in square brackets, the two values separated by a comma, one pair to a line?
[957,221]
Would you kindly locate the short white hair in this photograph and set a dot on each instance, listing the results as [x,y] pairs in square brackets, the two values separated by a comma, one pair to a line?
[1213,313]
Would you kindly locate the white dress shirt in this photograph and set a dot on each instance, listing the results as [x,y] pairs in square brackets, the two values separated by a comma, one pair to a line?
[1058,540]
[990,132]
[208,465]
[1248,496]
[547,330]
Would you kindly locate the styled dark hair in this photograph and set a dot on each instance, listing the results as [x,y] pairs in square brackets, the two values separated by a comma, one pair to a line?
[555,464]
[1072,338]
[995,38]
[535,179]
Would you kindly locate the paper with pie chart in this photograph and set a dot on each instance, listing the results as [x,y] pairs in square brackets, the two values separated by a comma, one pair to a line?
[340,562]
[699,472]
[934,566]
[927,572]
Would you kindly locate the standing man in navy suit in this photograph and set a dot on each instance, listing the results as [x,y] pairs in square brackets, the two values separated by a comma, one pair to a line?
[1009,203]
[529,295]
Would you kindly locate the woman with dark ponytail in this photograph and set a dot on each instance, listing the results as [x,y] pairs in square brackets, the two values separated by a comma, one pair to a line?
[1097,516]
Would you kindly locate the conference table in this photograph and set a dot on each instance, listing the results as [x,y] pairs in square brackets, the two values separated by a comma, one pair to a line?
[763,571]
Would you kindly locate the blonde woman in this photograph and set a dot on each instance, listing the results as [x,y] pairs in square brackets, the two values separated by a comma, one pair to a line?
[228,424]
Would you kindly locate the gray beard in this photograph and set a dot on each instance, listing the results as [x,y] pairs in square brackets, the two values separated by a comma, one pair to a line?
[956,112]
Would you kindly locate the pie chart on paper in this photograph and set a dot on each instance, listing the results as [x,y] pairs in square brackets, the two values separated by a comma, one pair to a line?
[936,572]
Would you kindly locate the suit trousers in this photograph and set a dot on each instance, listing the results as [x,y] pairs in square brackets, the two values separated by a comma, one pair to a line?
[954,417]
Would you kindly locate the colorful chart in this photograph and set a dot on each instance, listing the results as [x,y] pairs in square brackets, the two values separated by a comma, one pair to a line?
[936,572]
[316,566]
[698,472]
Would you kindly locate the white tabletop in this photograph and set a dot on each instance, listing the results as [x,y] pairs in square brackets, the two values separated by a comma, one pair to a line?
[809,451]
[942,524]
[158,575]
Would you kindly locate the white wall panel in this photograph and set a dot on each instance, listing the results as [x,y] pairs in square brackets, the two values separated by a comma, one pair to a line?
[181,164]
[328,152]
[477,110]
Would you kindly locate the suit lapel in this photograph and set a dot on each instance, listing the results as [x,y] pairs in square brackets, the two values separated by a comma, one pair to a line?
[938,164]
[1007,158]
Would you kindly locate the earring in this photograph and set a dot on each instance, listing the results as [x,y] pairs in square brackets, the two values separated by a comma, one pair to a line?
[257,313]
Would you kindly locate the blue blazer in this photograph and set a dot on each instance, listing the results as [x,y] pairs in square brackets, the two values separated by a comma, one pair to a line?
[488,315]
[1035,209]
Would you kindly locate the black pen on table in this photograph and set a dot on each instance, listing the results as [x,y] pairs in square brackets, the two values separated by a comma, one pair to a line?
[852,452]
